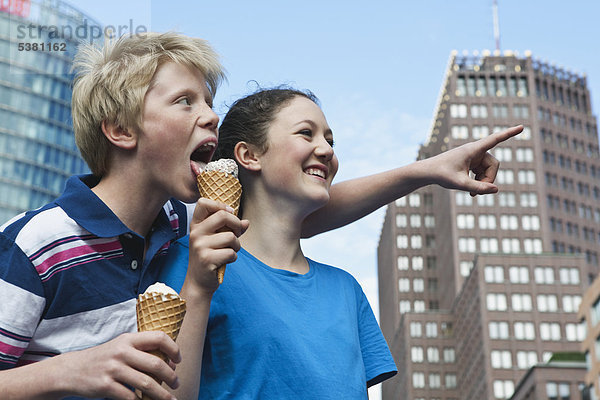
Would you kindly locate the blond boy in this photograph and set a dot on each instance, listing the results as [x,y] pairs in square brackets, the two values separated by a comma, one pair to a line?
[70,272]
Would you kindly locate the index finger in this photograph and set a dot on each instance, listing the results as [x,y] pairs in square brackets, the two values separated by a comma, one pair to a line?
[498,137]
[206,207]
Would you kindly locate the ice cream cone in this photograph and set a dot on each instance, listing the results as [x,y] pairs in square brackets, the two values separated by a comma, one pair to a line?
[159,312]
[223,187]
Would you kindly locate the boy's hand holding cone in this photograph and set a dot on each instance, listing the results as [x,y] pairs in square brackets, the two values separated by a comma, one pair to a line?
[218,181]
[160,308]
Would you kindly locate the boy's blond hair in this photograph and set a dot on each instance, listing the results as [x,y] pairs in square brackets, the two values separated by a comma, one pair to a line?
[111,82]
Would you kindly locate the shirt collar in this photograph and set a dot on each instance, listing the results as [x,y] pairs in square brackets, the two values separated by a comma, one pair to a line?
[82,205]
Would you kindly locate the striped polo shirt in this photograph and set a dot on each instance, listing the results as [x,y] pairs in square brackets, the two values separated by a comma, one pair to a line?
[70,273]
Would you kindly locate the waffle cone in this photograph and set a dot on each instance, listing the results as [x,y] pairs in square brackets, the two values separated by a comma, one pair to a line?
[156,312]
[223,187]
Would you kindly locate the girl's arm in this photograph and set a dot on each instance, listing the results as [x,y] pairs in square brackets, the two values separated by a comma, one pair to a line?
[353,199]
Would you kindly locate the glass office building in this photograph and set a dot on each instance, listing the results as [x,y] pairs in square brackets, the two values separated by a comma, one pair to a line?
[38,40]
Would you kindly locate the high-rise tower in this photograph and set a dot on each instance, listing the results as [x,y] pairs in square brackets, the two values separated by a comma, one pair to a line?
[474,291]
[38,40]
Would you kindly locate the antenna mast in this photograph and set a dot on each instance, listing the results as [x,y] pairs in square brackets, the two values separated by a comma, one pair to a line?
[496,25]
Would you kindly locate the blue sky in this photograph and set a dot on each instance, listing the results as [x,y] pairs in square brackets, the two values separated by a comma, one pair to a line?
[376,66]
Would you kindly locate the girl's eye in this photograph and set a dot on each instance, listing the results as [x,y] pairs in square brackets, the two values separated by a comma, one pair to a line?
[331,142]
[306,132]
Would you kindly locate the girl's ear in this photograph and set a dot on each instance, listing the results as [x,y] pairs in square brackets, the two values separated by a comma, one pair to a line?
[247,156]
[123,138]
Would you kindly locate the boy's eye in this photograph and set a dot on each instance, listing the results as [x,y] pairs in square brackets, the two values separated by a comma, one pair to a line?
[185,101]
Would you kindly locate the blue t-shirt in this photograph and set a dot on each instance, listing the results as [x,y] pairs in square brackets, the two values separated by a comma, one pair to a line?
[275,334]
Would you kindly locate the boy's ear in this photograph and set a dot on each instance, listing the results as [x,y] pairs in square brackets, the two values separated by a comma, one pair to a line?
[118,136]
[247,156]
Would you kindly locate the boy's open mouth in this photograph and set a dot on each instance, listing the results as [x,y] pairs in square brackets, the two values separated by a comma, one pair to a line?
[203,153]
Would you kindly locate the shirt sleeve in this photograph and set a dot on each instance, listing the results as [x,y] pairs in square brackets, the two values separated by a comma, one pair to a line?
[175,267]
[378,361]
[22,302]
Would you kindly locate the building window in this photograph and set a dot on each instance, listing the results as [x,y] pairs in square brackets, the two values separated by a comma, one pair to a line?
[511,246]
[449,355]
[414,200]
[402,263]
[465,268]
[550,331]
[417,263]
[526,359]
[401,220]
[416,329]
[401,202]
[503,154]
[500,111]
[479,111]
[487,221]
[450,381]
[416,242]
[530,222]
[498,329]
[415,221]
[509,222]
[532,246]
[431,262]
[524,154]
[503,389]
[520,111]
[402,241]
[529,199]
[506,199]
[483,201]
[501,359]
[558,391]
[526,177]
[544,275]
[460,132]
[433,355]
[575,332]
[467,245]
[547,303]
[418,285]
[488,245]
[569,276]
[458,110]
[521,302]
[416,354]
[419,306]
[431,329]
[496,302]
[404,306]
[404,285]
[518,274]
[418,380]
[434,381]
[465,221]
[463,199]
[571,303]
[505,177]
[524,331]
[494,274]
[480,131]
[429,221]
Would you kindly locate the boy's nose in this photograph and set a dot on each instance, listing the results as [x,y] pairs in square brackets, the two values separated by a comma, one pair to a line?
[207,118]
